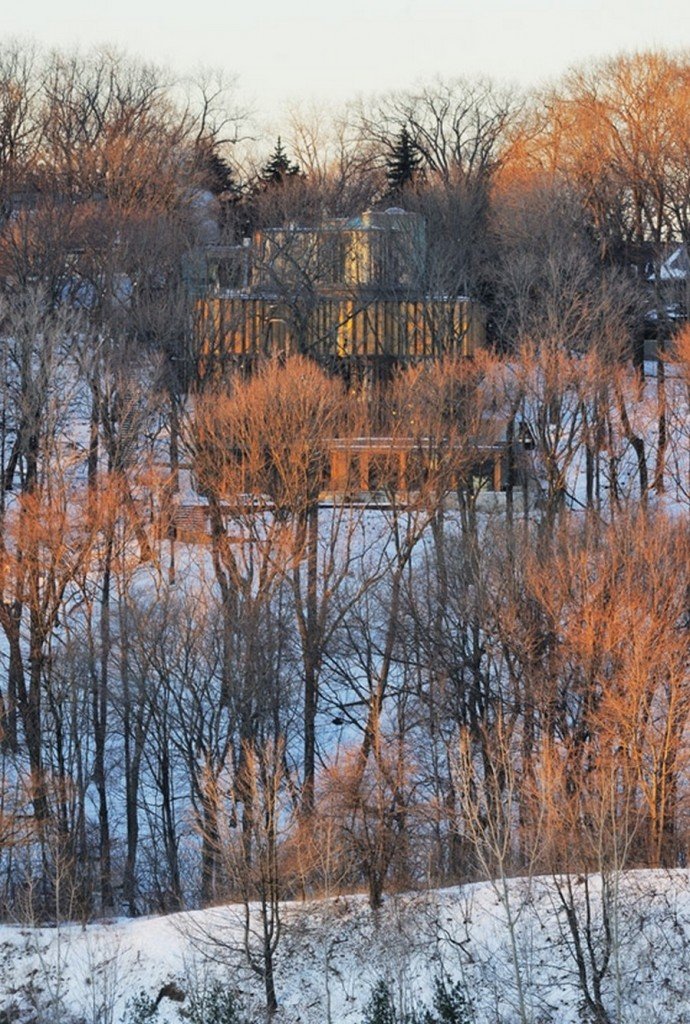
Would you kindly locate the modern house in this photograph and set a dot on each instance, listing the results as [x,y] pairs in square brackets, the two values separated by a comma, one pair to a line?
[351,293]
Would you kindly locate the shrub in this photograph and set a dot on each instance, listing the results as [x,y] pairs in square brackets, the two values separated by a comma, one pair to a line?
[214,1004]
[380,1009]
[451,1004]
[139,1009]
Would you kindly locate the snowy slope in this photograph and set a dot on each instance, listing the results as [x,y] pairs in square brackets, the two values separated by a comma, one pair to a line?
[333,952]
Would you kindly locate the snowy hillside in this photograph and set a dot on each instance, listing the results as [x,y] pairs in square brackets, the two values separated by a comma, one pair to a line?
[333,952]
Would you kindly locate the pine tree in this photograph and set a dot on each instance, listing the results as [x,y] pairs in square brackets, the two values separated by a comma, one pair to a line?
[278,168]
[451,1004]
[215,172]
[402,167]
[379,1009]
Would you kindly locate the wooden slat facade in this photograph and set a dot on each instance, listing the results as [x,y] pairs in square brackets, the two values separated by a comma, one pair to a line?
[340,327]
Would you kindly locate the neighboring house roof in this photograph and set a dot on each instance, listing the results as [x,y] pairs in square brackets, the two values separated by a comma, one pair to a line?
[676,267]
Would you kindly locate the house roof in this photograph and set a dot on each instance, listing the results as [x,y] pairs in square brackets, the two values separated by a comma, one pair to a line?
[676,267]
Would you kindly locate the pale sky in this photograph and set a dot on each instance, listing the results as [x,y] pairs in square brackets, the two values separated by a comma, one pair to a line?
[318,50]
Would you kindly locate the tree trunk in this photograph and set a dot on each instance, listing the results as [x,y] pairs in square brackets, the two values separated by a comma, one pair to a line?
[310,661]
[100,723]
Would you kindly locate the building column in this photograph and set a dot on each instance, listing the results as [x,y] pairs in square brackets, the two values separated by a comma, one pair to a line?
[498,475]
[364,471]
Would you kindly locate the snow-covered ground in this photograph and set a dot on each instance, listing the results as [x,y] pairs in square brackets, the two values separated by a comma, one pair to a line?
[334,951]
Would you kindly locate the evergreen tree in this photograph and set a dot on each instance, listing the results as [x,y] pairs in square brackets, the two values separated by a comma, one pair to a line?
[380,1009]
[402,167]
[215,172]
[278,168]
[451,1004]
